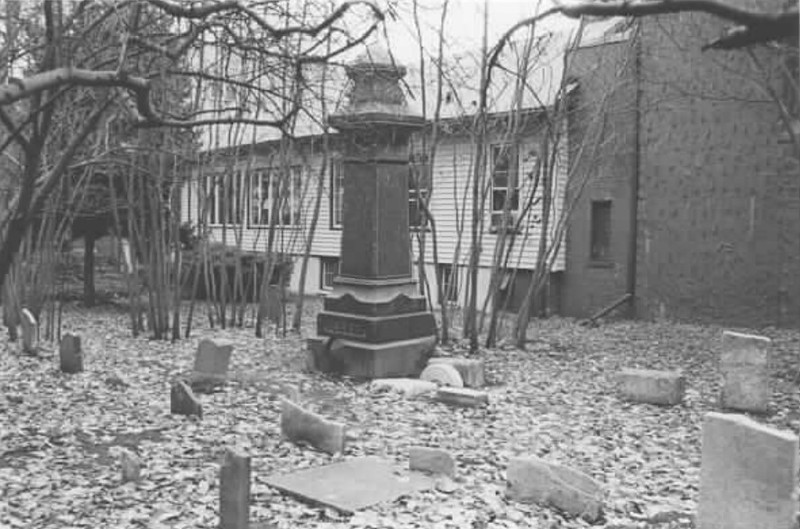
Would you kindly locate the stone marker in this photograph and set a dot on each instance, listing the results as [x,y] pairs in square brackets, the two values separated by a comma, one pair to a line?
[274,305]
[211,364]
[432,460]
[652,386]
[463,397]
[234,491]
[747,475]
[745,364]
[409,387]
[534,480]
[130,465]
[299,425]
[352,485]
[183,401]
[70,354]
[471,369]
[30,332]
[442,374]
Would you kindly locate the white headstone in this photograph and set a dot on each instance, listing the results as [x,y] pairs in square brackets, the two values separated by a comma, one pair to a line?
[30,332]
[747,475]
[745,364]
[442,374]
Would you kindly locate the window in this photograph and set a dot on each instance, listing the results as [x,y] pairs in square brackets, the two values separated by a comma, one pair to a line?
[278,190]
[449,281]
[600,249]
[337,193]
[330,269]
[224,198]
[505,185]
[419,186]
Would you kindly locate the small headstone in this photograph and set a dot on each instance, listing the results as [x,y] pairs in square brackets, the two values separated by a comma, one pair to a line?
[471,369]
[274,305]
[352,485]
[431,460]
[745,364]
[534,480]
[70,354]
[409,387]
[652,386]
[211,364]
[299,425]
[462,397]
[234,491]
[183,401]
[747,475]
[30,332]
[443,375]
[131,466]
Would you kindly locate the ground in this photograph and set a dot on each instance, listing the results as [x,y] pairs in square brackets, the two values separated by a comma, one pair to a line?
[60,435]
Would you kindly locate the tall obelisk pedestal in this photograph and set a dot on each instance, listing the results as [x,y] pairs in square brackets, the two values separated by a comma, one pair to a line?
[375,323]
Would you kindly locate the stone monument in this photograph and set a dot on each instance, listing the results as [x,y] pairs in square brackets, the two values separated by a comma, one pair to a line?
[375,323]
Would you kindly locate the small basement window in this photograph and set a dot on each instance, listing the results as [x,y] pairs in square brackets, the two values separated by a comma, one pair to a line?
[330,268]
[600,234]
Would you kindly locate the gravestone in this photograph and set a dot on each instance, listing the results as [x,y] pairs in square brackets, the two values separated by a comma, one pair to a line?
[299,425]
[130,465]
[471,369]
[211,364]
[381,323]
[351,485]
[432,460]
[70,354]
[274,305]
[747,475]
[234,491]
[534,480]
[30,332]
[471,398]
[443,375]
[745,365]
[183,401]
[652,386]
[410,387]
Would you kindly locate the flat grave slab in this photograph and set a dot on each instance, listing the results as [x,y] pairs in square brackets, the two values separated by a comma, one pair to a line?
[352,485]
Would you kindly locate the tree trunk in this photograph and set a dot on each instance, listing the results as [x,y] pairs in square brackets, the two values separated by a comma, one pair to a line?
[89,297]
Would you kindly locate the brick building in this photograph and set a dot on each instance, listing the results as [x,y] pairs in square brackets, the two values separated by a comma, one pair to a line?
[693,205]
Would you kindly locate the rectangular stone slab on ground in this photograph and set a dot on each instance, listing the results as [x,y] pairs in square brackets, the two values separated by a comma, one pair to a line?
[351,485]
[651,386]
[299,425]
[747,475]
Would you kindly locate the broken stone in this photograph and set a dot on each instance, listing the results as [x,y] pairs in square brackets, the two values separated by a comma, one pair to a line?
[70,354]
[652,386]
[443,375]
[299,425]
[351,485]
[183,400]
[234,491]
[471,369]
[745,364]
[211,364]
[431,460]
[446,485]
[747,474]
[30,332]
[131,466]
[534,480]
[463,397]
[409,387]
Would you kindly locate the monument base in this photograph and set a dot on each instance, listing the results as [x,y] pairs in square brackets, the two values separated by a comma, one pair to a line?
[402,358]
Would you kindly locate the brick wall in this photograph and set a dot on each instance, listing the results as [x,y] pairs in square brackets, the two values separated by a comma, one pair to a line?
[719,210]
[605,153]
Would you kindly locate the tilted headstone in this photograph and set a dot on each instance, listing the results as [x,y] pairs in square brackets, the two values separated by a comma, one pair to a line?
[534,480]
[70,354]
[130,465]
[183,401]
[747,475]
[234,491]
[471,369]
[30,332]
[745,365]
[433,460]
[299,425]
[442,374]
[211,364]
[652,386]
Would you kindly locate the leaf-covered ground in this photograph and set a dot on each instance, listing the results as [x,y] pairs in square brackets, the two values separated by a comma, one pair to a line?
[60,434]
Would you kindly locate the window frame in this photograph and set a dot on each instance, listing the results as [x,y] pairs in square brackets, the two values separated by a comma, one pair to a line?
[447,274]
[600,236]
[512,152]
[323,272]
[336,202]
[421,191]
[275,190]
